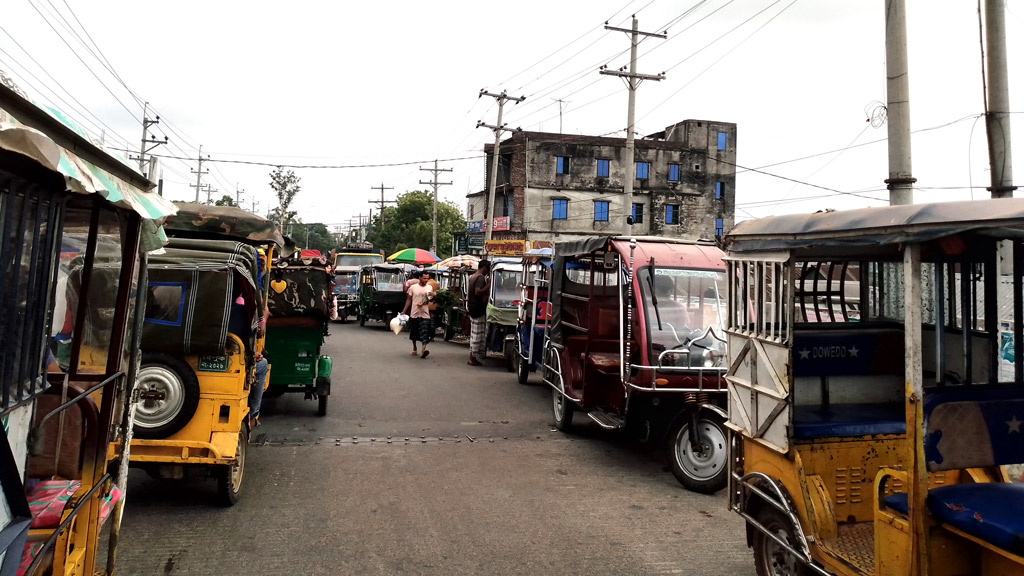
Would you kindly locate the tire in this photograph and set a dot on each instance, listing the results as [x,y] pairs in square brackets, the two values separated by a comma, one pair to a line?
[510,362]
[362,320]
[173,378]
[522,371]
[321,381]
[343,318]
[230,476]
[449,331]
[770,559]
[563,410]
[705,472]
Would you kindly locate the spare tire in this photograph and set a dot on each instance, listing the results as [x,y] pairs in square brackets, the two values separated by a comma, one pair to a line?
[168,395]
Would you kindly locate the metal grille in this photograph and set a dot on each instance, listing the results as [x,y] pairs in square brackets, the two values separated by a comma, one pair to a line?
[29,240]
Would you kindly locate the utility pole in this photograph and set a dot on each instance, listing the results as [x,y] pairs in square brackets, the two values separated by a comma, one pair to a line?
[560,102]
[382,202]
[200,172]
[498,129]
[633,81]
[209,191]
[897,90]
[997,113]
[435,184]
[146,123]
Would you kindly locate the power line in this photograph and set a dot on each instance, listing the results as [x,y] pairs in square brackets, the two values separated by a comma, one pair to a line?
[312,166]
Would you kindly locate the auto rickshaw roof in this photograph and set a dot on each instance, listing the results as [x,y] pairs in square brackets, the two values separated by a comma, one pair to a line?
[876,226]
[51,140]
[223,222]
[670,252]
[387,267]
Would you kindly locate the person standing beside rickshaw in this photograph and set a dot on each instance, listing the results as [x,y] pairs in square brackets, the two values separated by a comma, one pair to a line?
[478,292]
[417,305]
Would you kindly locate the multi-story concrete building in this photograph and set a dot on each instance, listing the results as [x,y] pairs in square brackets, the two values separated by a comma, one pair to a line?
[554,187]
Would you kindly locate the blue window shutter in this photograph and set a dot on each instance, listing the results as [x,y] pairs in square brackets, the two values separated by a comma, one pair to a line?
[721,140]
[602,168]
[719,188]
[673,172]
[559,209]
[718,226]
[668,214]
[641,170]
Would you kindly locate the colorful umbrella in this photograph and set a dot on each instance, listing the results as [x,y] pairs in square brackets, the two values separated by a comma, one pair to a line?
[414,256]
[463,260]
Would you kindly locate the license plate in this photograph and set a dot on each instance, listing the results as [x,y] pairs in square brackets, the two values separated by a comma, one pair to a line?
[213,363]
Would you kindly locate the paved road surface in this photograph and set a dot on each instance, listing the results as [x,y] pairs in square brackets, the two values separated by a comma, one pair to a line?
[483,485]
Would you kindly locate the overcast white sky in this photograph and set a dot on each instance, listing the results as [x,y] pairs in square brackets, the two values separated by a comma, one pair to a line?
[369,83]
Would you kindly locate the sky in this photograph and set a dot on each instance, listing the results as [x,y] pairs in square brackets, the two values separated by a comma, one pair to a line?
[379,90]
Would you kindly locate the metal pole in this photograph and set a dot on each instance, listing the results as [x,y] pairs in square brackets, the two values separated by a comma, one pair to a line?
[199,173]
[433,235]
[997,117]
[488,224]
[627,187]
[142,146]
[900,181]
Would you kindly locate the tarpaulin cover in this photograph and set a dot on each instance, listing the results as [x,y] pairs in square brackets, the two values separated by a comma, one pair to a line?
[300,289]
[564,252]
[192,287]
[503,316]
[203,221]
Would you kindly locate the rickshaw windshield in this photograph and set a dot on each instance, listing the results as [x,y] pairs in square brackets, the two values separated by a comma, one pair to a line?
[346,283]
[390,280]
[678,301]
[357,259]
[506,288]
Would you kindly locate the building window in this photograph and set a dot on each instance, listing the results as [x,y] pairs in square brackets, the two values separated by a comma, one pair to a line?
[642,168]
[600,210]
[718,227]
[721,140]
[673,172]
[561,165]
[638,213]
[602,168]
[672,214]
[559,209]
[719,190]
[696,167]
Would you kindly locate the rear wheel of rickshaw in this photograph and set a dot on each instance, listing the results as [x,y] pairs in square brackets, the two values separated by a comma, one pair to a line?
[449,331]
[362,320]
[701,471]
[510,360]
[169,396]
[770,558]
[522,371]
[229,478]
[563,410]
[322,382]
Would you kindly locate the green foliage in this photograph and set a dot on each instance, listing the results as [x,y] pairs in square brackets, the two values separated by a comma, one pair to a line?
[285,185]
[313,236]
[445,298]
[409,224]
[225,200]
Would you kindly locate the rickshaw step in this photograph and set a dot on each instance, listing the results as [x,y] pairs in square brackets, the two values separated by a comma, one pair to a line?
[607,420]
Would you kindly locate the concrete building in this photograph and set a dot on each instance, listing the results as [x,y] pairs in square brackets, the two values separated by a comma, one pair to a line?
[555,187]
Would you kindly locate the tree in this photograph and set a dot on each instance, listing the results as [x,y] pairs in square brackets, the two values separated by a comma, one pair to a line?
[314,236]
[225,200]
[409,223]
[285,184]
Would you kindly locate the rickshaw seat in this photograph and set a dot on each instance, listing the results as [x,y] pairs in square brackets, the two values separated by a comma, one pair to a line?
[848,420]
[993,512]
[607,362]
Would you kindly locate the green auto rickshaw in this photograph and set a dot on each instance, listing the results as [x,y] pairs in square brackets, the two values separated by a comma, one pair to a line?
[381,292]
[300,309]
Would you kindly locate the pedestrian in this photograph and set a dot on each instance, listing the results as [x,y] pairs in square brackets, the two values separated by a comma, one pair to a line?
[478,293]
[417,305]
[434,286]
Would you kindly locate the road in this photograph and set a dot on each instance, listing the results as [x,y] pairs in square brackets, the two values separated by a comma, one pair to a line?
[433,467]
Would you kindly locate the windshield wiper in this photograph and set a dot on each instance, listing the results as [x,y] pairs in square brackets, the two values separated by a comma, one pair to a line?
[654,294]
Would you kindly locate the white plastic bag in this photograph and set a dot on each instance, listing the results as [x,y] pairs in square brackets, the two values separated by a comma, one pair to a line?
[398,322]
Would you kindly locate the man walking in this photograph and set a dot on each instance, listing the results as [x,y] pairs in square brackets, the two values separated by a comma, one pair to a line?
[478,293]
[417,305]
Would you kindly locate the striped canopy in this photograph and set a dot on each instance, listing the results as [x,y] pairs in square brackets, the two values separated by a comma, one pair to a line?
[462,260]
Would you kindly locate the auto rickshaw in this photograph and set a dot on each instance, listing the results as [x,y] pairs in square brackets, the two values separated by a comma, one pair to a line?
[297,326]
[635,342]
[75,226]
[503,310]
[534,311]
[207,296]
[871,411]
[381,292]
[454,315]
[346,291]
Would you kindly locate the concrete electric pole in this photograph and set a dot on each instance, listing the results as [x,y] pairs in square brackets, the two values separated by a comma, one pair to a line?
[382,202]
[200,172]
[633,81]
[897,108]
[146,123]
[498,129]
[997,113]
[435,184]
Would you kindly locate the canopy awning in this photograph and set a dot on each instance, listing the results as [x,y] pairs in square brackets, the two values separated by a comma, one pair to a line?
[50,139]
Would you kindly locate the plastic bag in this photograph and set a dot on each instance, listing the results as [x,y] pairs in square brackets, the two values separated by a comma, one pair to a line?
[398,322]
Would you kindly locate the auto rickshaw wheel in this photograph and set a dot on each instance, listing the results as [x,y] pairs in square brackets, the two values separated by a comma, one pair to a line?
[449,331]
[704,471]
[322,382]
[522,371]
[168,396]
[771,559]
[563,410]
[229,479]
[362,320]
[510,362]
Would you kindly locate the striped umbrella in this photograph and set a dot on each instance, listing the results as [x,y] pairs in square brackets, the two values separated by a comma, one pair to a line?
[414,256]
[463,260]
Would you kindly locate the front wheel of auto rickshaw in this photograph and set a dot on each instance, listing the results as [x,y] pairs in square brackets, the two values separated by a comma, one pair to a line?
[702,470]
[563,410]
[770,558]
[522,371]
[229,479]
[168,396]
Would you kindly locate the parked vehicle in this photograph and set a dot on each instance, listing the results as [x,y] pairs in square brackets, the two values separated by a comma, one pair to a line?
[299,310]
[871,441]
[534,312]
[358,255]
[635,342]
[503,310]
[346,291]
[207,295]
[381,292]
[75,225]
[453,313]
